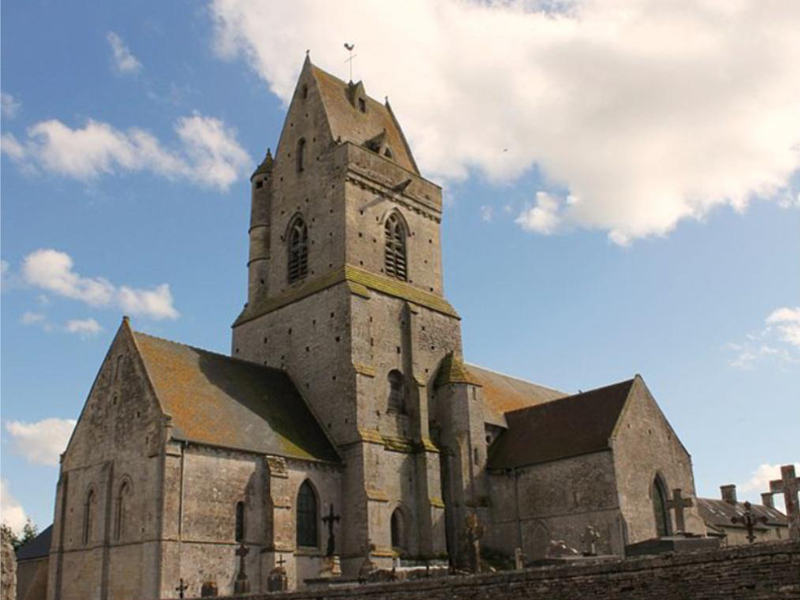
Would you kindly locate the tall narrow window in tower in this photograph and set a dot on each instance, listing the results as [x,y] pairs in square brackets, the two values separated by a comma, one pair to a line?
[397,529]
[123,502]
[88,516]
[397,392]
[239,534]
[395,250]
[307,516]
[301,154]
[298,250]
[660,507]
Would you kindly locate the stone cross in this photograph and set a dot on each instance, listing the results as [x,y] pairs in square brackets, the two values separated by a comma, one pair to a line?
[241,585]
[330,520]
[678,503]
[519,563]
[788,485]
[589,539]
[474,534]
[749,521]
[182,587]
[281,561]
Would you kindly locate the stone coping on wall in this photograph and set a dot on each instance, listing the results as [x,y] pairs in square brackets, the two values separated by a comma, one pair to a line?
[758,571]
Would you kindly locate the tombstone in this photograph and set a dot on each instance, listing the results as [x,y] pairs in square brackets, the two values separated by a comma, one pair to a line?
[590,539]
[182,587]
[678,503]
[559,548]
[209,590]
[277,580]
[749,521]
[518,559]
[474,534]
[788,485]
[367,566]
[241,585]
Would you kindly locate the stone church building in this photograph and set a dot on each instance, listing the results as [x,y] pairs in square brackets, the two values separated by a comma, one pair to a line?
[346,393]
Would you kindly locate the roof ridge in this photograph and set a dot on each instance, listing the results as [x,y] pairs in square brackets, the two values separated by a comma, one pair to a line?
[573,396]
[469,364]
[203,350]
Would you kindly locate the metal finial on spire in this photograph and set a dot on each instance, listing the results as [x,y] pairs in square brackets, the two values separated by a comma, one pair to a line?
[349,48]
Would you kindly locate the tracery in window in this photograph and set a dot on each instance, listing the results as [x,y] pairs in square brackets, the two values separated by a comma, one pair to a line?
[395,248]
[298,250]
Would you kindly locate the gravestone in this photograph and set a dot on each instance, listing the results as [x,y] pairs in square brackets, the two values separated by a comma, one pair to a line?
[788,485]
[241,585]
[277,581]
[678,503]
[474,534]
[749,520]
[590,539]
[209,590]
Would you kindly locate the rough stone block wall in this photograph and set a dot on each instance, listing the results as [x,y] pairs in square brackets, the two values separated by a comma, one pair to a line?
[757,572]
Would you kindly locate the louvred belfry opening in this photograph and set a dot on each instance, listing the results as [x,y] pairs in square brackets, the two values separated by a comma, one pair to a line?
[395,251]
[298,250]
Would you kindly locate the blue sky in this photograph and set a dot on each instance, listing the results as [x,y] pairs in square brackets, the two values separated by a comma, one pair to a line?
[642,217]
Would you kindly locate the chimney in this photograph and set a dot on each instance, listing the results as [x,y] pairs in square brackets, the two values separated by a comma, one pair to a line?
[728,493]
[767,500]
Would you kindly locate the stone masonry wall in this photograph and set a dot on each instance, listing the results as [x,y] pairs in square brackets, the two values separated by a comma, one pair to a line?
[757,572]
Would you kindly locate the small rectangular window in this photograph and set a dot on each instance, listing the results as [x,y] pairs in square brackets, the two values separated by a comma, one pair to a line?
[259,184]
[362,105]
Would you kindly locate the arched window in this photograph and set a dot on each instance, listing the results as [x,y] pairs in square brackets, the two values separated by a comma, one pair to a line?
[88,516]
[301,154]
[397,392]
[239,533]
[123,508]
[395,249]
[307,516]
[660,507]
[298,250]
[397,529]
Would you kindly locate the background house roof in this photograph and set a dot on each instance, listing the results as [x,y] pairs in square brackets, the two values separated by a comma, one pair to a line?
[718,513]
[38,547]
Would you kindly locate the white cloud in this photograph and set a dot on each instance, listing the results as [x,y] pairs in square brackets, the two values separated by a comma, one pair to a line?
[83,327]
[646,113]
[544,217]
[208,155]
[53,271]
[43,441]
[9,106]
[759,483]
[487,213]
[122,60]
[12,512]
[778,340]
[31,318]
[787,320]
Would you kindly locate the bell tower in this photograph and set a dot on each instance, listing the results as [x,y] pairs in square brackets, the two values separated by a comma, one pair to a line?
[345,294]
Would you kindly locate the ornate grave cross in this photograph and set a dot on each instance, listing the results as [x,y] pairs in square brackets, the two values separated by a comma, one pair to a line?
[182,587]
[241,585]
[788,485]
[589,539]
[678,503]
[329,520]
[749,521]
[281,561]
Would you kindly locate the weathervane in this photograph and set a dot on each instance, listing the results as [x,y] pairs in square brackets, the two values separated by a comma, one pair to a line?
[350,60]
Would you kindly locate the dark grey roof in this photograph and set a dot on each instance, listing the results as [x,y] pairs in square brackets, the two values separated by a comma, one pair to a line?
[718,514]
[223,401]
[561,428]
[38,547]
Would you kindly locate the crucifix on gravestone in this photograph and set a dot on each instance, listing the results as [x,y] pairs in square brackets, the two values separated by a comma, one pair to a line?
[241,585]
[788,485]
[749,521]
[678,503]
[182,587]
[329,520]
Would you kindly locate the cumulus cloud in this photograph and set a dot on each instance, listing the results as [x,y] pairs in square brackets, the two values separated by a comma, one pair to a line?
[9,106]
[208,154]
[52,270]
[41,442]
[759,482]
[83,327]
[31,318]
[543,217]
[11,510]
[122,60]
[645,113]
[778,341]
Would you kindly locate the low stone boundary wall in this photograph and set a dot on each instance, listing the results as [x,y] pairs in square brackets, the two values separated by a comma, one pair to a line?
[757,572]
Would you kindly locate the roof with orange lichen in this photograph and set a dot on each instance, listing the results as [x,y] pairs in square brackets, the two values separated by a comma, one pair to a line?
[222,401]
[351,125]
[503,393]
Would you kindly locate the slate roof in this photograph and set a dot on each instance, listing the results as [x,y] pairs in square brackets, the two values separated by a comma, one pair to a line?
[718,514]
[560,428]
[351,125]
[38,547]
[223,401]
[503,393]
